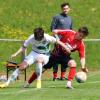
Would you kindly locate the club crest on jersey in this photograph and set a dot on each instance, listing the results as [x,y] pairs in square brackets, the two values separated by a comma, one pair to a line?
[44,41]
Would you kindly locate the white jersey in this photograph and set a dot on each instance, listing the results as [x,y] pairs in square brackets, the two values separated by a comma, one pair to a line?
[40,46]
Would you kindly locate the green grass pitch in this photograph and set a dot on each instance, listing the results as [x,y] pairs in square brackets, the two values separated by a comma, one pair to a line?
[54,90]
[17,20]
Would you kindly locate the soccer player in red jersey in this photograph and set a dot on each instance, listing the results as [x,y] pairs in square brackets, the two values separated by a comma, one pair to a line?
[74,42]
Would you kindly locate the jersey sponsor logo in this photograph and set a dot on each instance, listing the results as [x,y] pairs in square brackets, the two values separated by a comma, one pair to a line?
[71,47]
[74,46]
[62,20]
[68,40]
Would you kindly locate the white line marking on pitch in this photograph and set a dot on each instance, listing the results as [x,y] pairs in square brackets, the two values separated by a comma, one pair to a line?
[43,89]
[93,74]
[34,89]
[23,91]
[93,82]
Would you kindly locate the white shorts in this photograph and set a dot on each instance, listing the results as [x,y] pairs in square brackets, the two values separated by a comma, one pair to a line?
[33,56]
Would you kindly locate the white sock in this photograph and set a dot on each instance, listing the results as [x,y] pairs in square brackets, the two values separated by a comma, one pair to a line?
[69,83]
[13,76]
[39,70]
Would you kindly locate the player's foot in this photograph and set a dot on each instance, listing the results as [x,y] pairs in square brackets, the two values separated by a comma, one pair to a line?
[62,78]
[69,85]
[3,85]
[55,79]
[26,85]
[38,84]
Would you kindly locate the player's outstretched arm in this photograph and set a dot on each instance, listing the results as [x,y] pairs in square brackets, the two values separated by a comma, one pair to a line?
[56,31]
[64,46]
[84,69]
[22,49]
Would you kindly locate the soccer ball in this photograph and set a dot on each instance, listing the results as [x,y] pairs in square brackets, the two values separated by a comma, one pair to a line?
[81,77]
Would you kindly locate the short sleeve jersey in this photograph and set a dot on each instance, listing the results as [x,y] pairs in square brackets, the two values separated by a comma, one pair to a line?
[68,37]
[40,46]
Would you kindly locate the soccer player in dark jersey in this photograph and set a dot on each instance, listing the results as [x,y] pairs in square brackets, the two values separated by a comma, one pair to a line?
[61,21]
[74,42]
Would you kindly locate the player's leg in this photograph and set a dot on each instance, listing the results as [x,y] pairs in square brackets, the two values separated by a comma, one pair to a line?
[63,70]
[35,57]
[27,61]
[41,60]
[30,80]
[72,72]
[64,65]
[55,58]
[39,73]
[56,62]
[15,74]
[55,71]
[34,75]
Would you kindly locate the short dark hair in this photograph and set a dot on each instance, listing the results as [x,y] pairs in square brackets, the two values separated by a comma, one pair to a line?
[38,33]
[65,4]
[83,30]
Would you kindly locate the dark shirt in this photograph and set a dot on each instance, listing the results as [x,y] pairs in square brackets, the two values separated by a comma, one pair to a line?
[61,21]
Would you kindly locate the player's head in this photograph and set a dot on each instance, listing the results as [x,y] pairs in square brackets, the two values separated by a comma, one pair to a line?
[38,34]
[65,7]
[82,33]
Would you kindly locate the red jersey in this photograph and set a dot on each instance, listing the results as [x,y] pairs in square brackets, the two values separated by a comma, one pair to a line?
[68,37]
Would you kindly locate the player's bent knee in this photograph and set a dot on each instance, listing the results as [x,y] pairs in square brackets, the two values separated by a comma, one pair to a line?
[40,60]
[23,65]
[22,68]
[72,63]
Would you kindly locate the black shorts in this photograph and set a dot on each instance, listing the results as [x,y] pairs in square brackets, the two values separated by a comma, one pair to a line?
[63,60]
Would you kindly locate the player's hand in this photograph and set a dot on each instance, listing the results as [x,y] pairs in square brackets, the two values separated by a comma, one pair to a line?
[13,56]
[55,31]
[56,36]
[85,70]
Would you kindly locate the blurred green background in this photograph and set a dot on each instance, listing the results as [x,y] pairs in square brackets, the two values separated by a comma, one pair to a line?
[18,18]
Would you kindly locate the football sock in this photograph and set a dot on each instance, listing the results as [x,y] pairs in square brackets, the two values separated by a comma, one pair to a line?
[13,76]
[38,84]
[62,74]
[32,78]
[39,70]
[54,75]
[72,73]
[39,74]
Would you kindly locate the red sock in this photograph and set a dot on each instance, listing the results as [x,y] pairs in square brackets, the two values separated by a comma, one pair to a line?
[72,73]
[54,75]
[32,78]
[62,74]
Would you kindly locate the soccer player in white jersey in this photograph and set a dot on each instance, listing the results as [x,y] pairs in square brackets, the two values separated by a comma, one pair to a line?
[39,54]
